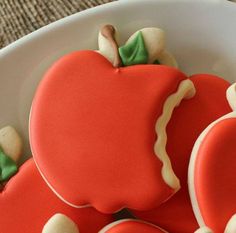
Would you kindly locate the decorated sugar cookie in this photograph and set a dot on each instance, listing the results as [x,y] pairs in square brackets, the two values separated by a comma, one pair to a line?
[26,204]
[98,129]
[131,226]
[187,122]
[212,183]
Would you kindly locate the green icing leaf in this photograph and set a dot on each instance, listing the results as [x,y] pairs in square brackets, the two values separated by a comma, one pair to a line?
[8,167]
[156,62]
[134,52]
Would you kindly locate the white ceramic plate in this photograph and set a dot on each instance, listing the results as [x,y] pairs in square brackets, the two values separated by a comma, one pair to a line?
[200,33]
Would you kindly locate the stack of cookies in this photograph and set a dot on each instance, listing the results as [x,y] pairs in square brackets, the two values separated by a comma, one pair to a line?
[120,128]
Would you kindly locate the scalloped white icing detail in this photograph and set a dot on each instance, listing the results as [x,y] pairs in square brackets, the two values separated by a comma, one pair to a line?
[185,90]
[60,223]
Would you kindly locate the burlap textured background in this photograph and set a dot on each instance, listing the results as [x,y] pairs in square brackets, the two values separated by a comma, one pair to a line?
[20,17]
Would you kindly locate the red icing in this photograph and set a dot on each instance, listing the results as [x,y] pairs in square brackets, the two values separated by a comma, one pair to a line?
[92,131]
[187,122]
[26,204]
[132,226]
[214,175]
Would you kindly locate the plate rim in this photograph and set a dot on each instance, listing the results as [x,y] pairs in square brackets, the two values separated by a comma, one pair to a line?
[86,13]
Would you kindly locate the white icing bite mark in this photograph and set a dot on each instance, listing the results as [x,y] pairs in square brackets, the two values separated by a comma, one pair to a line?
[231,225]
[11,142]
[185,90]
[154,39]
[231,96]
[203,230]
[59,223]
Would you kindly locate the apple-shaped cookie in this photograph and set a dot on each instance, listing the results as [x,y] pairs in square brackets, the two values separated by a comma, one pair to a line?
[26,203]
[131,226]
[98,133]
[212,182]
[186,124]
[11,147]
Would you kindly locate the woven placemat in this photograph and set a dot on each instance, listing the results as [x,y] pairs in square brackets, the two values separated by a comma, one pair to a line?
[20,17]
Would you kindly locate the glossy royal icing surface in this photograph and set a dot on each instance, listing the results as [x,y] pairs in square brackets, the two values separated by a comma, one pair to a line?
[101,121]
[211,168]
[187,122]
[27,203]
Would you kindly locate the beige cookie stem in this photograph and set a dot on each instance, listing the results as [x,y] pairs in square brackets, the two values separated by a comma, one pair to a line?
[108,31]
[186,90]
